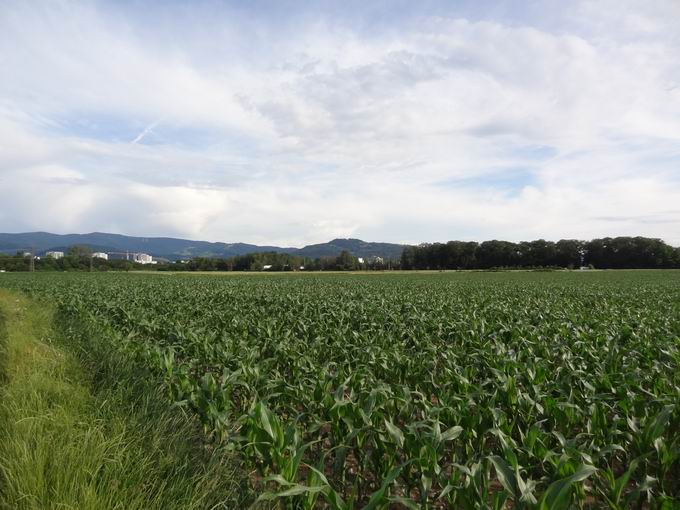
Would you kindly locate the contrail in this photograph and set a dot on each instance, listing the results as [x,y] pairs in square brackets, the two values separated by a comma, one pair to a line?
[145,132]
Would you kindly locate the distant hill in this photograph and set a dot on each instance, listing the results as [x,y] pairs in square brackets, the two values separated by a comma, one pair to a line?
[176,249]
[356,247]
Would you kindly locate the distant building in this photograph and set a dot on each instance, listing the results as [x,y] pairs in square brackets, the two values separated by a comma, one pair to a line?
[55,254]
[266,267]
[100,255]
[360,259]
[139,258]
[142,258]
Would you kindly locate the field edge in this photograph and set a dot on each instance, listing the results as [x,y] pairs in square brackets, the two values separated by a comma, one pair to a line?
[84,428]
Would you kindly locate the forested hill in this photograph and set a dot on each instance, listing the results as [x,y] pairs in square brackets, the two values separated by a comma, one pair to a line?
[175,248]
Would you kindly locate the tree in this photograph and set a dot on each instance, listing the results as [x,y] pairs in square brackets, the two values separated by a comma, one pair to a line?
[346,262]
[498,254]
[538,253]
[461,255]
[408,258]
[569,253]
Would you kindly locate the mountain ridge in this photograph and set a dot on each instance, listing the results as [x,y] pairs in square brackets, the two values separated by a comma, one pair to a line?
[173,248]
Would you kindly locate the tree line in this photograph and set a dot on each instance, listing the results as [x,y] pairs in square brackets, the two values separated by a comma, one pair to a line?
[605,253]
[79,258]
[273,261]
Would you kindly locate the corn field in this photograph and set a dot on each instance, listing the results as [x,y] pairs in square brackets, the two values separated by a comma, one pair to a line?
[456,390]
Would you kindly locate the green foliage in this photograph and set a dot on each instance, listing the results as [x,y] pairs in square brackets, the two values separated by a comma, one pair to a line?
[63,445]
[469,390]
[606,253]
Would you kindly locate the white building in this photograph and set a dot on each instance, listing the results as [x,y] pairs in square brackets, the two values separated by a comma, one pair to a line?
[100,255]
[142,258]
[55,254]
[266,267]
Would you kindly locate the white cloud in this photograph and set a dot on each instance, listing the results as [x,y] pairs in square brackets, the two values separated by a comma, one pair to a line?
[441,128]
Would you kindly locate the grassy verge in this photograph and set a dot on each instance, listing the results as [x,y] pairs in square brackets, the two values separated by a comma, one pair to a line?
[83,429]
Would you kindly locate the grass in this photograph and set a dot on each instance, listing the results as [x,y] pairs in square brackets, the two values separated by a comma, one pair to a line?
[85,430]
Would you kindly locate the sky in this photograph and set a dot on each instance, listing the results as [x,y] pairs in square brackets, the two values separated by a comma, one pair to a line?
[293,122]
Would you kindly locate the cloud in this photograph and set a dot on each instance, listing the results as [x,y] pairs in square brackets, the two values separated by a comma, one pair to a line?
[296,127]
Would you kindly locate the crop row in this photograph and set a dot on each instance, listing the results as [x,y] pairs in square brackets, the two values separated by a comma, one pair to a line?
[422,391]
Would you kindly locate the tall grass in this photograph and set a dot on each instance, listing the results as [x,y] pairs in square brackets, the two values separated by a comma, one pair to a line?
[84,429]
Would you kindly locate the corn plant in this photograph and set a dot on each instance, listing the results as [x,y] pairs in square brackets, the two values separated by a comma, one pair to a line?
[469,390]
